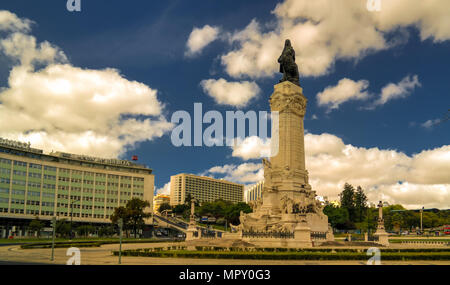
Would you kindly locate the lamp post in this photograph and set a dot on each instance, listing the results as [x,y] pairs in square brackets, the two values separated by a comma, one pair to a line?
[421,220]
[71,214]
[120,222]
[53,238]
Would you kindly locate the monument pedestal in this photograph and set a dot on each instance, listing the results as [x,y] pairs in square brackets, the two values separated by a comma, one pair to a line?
[190,233]
[302,235]
[288,203]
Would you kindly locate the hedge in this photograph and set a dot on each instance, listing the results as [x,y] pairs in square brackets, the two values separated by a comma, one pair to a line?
[306,255]
[87,243]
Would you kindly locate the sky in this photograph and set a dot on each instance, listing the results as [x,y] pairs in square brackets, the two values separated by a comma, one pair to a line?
[106,80]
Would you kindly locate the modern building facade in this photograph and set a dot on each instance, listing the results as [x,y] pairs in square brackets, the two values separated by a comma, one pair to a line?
[203,189]
[254,192]
[158,200]
[34,184]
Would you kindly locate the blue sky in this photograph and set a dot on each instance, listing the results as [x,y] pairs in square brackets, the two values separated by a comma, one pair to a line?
[147,42]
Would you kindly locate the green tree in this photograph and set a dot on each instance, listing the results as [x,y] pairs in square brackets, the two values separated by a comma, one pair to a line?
[337,216]
[164,206]
[36,226]
[62,228]
[121,213]
[233,213]
[347,198]
[136,215]
[182,209]
[106,231]
[360,204]
[85,230]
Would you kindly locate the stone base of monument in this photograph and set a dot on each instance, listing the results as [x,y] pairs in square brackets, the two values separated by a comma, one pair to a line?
[192,232]
[383,238]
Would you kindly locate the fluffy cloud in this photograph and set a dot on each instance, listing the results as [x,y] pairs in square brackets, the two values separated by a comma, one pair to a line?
[399,90]
[252,147]
[420,179]
[200,38]
[430,123]
[245,173]
[236,94]
[67,108]
[345,90]
[165,190]
[324,31]
[10,22]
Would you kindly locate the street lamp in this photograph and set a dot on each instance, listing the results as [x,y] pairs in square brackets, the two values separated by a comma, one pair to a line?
[421,220]
[71,214]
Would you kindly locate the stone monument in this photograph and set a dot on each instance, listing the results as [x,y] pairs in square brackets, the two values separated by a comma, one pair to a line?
[192,228]
[288,203]
[383,236]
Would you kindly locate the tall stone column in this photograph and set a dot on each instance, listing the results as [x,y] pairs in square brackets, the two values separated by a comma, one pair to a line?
[192,226]
[288,164]
[383,236]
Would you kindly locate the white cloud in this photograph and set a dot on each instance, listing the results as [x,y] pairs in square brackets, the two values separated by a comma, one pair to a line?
[245,173]
[345,90]
[67,108]
[200,38]
[399,90]
[10,22]
[165,190]
[420,179]
[236,94]
[324,31]
[430,123]
[251,148]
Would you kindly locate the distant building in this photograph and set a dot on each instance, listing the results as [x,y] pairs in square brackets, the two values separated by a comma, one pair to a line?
[34,184]
[158,200]
[254,192]
[204,189]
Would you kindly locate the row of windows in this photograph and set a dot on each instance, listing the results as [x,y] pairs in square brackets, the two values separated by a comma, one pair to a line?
[18,192]
[20,163]
[66,179]
[34,175]
[5,161]
[31,165]
[35,166]
[19,172]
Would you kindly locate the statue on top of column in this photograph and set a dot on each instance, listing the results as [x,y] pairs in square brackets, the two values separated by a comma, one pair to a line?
[287,64]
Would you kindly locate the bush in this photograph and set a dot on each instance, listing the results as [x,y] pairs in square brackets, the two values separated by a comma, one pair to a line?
[288,255]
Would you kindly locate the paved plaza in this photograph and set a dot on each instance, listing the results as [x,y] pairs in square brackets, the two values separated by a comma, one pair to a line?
[13,254]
